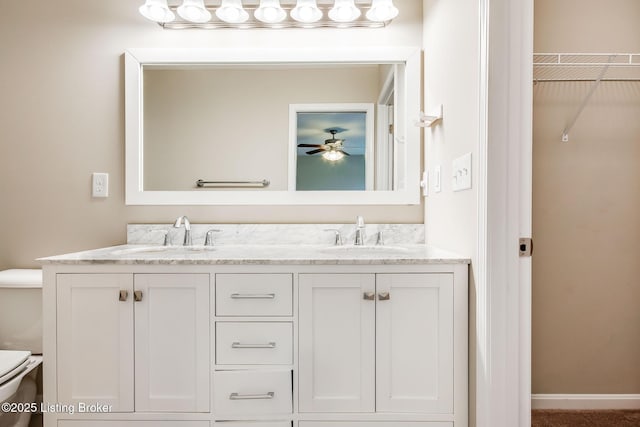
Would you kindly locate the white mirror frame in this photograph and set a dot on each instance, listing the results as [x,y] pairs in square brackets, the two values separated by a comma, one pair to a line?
[135,59]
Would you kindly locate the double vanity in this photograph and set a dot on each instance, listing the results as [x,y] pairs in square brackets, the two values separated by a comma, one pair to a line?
[265,326]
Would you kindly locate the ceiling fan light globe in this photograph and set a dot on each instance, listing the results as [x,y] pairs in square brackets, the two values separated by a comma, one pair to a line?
[333,156]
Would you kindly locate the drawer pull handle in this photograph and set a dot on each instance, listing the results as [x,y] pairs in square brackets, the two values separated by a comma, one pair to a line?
[253,296]
[137,296]
[240,345]
[124,295]
[266,396]
[369,296]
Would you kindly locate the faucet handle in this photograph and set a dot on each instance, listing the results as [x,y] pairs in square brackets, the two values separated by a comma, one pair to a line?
[208,240]
[338,236]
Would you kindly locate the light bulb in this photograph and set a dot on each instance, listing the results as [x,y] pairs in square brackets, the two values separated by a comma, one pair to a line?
[231,11]
[270,12]
[344,11]
[157,11]
[382,10]
[194,11]
[332,155]
[306,11]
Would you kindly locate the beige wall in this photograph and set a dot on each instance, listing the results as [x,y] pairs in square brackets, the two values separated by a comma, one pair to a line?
[62,86]
[586,209]
[451,78]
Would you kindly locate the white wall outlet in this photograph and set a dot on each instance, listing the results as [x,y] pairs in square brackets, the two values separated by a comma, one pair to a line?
[100,185]
[425,183]
[461,173]
[437,179]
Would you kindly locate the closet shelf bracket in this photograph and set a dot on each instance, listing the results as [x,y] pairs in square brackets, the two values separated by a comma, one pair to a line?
[567,129]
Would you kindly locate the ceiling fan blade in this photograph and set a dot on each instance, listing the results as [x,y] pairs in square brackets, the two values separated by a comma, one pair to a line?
[309,145]
[343,152]
[315,151]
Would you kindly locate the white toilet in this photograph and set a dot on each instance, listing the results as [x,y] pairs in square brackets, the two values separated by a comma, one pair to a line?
[20,342]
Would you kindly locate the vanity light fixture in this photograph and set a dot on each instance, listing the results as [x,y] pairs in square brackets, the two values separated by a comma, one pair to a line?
[231,11]
[157,11]
[344,11]
[270,14]
[306,11]
[382,10]
[194,11]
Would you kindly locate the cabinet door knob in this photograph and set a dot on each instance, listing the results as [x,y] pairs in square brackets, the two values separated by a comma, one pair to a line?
[383,296]
[137,296]
[124,295]
[369,296]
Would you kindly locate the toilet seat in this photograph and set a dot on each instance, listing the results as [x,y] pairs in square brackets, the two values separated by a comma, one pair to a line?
[12,363]
[14,368]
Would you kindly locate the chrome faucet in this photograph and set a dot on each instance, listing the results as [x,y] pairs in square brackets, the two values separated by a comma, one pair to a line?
[208,240]
[187,229]
[360,236]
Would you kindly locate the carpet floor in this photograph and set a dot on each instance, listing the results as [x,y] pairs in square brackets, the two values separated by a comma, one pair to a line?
[552,418]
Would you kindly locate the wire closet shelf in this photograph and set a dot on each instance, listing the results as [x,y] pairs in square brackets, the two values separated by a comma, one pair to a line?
[576,67]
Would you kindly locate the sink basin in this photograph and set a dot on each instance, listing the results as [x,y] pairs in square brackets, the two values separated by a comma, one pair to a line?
[142,250]
[369,250]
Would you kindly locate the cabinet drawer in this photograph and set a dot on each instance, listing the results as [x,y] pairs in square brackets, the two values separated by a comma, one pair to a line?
[253,424]
[254,294]
[254,343]
[252,392]
[375,424]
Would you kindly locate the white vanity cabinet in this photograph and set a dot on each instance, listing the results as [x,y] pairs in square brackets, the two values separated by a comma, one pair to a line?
[376,343]
[137,342]
[245,344]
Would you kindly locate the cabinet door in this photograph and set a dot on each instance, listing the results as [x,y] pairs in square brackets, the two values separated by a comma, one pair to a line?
[414,341]
[101,423]
[95,339]
[172,342]
[336,343]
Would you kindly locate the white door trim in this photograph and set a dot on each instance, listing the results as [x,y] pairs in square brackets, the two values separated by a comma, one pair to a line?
[503,280]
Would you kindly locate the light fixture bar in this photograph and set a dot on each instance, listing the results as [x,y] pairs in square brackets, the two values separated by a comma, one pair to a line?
[252,22]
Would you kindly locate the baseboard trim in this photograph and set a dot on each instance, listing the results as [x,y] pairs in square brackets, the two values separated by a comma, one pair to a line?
[585,401]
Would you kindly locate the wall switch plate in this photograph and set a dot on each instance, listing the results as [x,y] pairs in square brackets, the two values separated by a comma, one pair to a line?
[100,185]
[425,183]
[461,173]
[437,179]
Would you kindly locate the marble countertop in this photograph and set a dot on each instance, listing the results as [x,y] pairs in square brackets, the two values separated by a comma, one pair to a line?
[259,254]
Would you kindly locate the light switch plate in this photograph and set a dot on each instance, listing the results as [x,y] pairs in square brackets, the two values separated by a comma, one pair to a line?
[100,185]
[461,173]
[437,179]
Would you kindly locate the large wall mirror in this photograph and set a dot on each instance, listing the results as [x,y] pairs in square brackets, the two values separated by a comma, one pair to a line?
[214,126]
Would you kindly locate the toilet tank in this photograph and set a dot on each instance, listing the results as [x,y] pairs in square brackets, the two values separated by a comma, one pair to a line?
[21,310]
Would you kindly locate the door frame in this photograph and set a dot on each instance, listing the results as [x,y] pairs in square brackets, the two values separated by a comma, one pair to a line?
[503,279]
